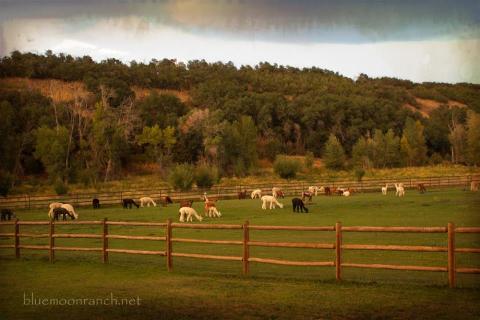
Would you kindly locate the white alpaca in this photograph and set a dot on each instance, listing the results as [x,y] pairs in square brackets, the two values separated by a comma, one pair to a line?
[189,213]
[346,193]
[400,190]
[213,212]
[385,189]
[70,209]
[272,200]
[52,206]
[147,201]
[313,190]
[257,193]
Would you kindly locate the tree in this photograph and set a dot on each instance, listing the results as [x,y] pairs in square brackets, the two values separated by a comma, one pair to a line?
[360,154]
[458,142]
[334,155]
[159,142]
[286,168]
[52,150]
[392,149]
[473,138]
[412,144]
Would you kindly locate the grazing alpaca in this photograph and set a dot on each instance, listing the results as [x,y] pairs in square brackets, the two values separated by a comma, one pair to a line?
[346,193]
[70,209]
[474,186]
[277,192]
[62,212]
[7,214]
[257,193]
[421,188]
[52,206]
[208,204]
[127,203]
[340,191]
[307,194]
[166,200]
[96,203]
[147,201]
[213,212]
[272,200]
[298,205]
[400,190]
[242,194]
[189,213]
[313,190]
[385,189]
[328,191]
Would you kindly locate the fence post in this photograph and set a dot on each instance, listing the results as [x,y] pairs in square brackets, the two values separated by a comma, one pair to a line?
[451,255]
[51,242]
[338,251]
[17,239]
[168,235]
[105,241]
[246,251]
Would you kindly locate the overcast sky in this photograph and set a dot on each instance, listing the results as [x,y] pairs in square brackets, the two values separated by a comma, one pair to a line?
[428,40]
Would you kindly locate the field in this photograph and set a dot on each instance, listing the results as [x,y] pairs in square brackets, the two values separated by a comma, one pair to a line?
[219,290]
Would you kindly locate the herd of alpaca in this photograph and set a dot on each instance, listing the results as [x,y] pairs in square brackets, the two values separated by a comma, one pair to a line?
[64,211]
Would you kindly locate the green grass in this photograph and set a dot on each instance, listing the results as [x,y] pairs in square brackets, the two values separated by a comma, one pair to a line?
[218,290]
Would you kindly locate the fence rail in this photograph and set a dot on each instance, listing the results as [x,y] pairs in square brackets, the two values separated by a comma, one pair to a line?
[28,201]
[246,243]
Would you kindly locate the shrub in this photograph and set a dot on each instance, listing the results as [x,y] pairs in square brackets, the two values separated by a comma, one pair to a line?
[182,177]
[286,168]
[5,183]
[60,187]
[206,176]
[435,159]
[309,159]
[359,173]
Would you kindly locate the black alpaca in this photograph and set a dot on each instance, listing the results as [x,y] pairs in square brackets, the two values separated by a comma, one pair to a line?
[96,203]
[127,203]
[298,205]
[7,214]
[62,212]
[167,200]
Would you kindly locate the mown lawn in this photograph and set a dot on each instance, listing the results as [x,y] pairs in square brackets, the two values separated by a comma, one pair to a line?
[218,290]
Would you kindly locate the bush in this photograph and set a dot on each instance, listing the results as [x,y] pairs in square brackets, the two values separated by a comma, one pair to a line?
[286,168]
[309,160]
[60,187]
[206,176]
[435,159]
[359,173]
[182,177]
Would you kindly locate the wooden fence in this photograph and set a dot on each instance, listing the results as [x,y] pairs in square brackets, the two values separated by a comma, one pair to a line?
[247,242]
[227,192]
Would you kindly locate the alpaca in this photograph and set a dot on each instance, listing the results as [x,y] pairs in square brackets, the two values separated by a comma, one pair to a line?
[307,194]
[346,193]
[127,203]
[7,214]
[313,190]
[242,194]
[52,206]
[62,212]
[474,186]
[421,188]
[166,200]
[186,203]
[298,205]
[328,191]
[189,213]
[70,209]
[96,203]
[272,200]
[400,190]
[385,189]
[277,192]
[213,212]
[208,204]
[257,193]
[147,201]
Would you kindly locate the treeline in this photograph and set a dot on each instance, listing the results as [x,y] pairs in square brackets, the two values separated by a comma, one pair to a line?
[234,117]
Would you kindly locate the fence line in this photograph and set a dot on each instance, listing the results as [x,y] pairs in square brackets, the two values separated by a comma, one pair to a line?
[246,243]
[290,188]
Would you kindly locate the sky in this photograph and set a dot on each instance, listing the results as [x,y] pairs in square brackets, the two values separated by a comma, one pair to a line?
[428,40]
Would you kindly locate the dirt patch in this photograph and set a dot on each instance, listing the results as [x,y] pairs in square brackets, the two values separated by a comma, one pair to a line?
[426,106]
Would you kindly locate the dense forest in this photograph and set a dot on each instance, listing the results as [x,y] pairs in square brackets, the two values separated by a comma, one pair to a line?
[233,117]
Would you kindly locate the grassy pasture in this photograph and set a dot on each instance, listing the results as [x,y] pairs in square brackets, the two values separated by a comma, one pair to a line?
[218,290]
